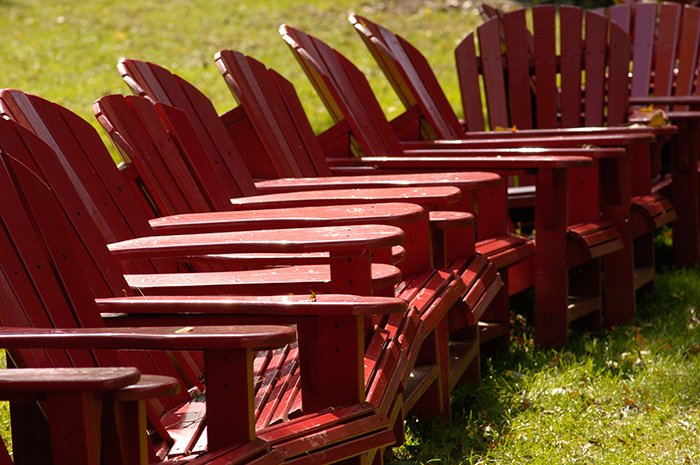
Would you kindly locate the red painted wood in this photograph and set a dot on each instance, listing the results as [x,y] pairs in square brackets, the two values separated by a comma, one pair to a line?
[494,79]
[40,381]
[570,66]
[666,42]
[342,238]
[385,213]
[518,70]
[59,239]
[322,55]
[677,42]
[355,287]
[551,277]
[302,43]
[468,75]
[594,64]
[572,63]
[687,54]
[392,51]
[173,90]
[545,76]
[618,75]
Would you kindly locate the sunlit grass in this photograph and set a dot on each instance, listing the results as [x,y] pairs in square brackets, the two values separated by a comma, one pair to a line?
[66,50]
[629,395]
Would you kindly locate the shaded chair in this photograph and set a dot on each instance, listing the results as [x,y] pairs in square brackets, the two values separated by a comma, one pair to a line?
[279,142]
[414,81]
[665,39]
[42,214]
[345,89]
[431,292]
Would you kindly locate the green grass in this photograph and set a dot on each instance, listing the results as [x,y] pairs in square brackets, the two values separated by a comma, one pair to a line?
[66,50]
[628,396]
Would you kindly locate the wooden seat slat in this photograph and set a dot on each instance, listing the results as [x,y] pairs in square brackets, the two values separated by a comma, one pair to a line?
[286,376]
[291,403]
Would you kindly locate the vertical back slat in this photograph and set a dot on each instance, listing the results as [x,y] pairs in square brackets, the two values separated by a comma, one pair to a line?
[492,64]
[518,70]
[470,90]
[571,57]
[595,68]
[643,52]
[687,53]
[666,43]
[618,75]
[546,90]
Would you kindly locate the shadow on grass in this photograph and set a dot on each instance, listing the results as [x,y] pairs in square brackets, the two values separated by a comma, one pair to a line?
[665,331]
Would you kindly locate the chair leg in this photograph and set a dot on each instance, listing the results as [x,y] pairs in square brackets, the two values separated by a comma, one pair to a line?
[551,273]
[435,401]
[685,196]
[29,427]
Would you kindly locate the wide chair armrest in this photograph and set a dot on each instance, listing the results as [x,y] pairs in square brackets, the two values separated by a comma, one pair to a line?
[503,163]
[153,338]
[392,213]
[592,132]
[228,356]
[553,141]
[301,240]
[283,305]
[691,100]
[428,197]
[563,155]
[33,384]
[465,181]
[73,400]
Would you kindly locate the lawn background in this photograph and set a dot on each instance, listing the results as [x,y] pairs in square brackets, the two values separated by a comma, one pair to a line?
[630,395]
[67,50]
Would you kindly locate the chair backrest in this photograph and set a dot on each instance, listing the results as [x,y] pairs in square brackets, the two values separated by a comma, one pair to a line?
[44,267]
[665,44]
[37,289]
[84,157]
[177,185]
[345,92]
[270,123]
[149,80]
[103,273]
[276,114]
[564,81]
[412,78]
[81,171]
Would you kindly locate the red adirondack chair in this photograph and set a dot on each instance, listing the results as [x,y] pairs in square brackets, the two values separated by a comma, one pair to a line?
[431,293]
[664,61]
[686,243]
[350,92]
[371,420]
[282,135]
[479,279]
[419,90]
[162,84]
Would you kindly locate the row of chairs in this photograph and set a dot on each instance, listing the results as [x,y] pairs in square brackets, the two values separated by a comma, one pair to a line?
[388,245]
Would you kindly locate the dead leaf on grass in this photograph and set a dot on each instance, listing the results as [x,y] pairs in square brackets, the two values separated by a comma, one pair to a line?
[694,350]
